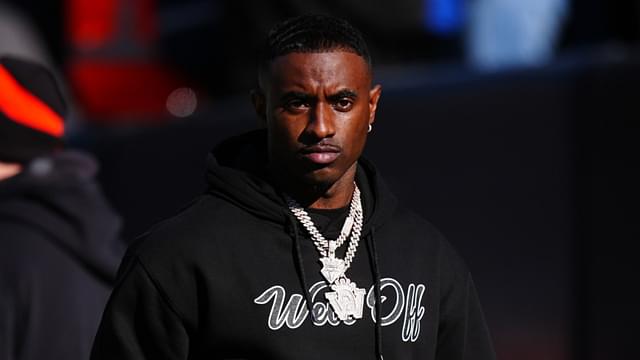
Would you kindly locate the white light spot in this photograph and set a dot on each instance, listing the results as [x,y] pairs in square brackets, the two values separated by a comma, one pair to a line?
[182,102]
[41,166]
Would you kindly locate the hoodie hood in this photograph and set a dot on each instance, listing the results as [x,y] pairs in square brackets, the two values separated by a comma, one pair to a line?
[237,172]
[59,196]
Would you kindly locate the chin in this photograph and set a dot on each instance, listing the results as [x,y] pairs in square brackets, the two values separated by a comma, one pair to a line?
[321,177]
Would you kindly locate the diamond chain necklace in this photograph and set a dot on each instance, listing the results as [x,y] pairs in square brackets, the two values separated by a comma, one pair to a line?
[346,300]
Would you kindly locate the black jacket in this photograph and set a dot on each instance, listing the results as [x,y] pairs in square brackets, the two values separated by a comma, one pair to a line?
[59,252]
[227,278]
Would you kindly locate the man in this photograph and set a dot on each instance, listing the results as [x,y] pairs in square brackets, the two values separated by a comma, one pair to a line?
[298,250]
[59,244]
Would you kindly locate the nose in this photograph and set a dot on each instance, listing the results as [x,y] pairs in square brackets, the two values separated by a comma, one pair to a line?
[321,123]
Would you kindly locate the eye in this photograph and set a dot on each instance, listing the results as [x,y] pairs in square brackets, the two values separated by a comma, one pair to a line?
[296,105]
[343,104]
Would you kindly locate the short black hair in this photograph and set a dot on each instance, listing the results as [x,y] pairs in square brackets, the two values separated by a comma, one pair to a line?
[312,34]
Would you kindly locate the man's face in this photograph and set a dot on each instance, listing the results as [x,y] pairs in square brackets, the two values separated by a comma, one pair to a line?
[317,107]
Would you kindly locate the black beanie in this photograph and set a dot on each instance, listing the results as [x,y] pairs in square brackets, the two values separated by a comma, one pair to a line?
[32,110]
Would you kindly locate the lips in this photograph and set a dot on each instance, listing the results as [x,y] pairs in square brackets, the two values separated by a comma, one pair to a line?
[321,154]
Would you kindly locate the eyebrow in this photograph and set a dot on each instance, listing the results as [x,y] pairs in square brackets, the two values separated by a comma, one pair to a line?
[346,93]
[306,96]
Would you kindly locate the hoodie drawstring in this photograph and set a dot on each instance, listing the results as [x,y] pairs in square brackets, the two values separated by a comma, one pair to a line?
[373,258]
[300,264]
[377,291]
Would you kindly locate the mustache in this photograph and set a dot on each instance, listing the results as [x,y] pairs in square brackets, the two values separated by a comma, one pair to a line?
[321,147]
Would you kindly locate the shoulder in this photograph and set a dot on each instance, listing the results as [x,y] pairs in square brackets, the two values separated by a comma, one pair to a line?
[31,261]
[204,219]
[170,256]
[413,221]
[197,236]
[25,246]
[420,236]
[412,226]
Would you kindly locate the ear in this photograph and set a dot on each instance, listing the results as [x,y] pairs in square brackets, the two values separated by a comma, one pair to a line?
[259,104]
[374,96]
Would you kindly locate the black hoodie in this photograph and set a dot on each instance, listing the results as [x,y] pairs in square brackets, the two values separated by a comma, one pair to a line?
[59,252]
[229,278]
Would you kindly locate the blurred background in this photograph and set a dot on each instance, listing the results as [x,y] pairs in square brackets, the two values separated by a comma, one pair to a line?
[512,125]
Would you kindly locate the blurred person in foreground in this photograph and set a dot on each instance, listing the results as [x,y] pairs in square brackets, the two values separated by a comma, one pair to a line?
[59,240]
[297,250]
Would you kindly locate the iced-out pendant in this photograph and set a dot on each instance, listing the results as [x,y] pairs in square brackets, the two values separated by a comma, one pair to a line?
[346,299]
[332,268]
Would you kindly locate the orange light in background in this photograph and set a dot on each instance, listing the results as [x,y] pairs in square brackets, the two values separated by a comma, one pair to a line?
[24,108]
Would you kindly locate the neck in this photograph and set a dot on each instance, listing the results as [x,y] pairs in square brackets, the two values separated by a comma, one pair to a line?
[320,196]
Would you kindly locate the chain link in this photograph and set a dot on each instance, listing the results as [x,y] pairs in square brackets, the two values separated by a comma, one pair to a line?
[322,244]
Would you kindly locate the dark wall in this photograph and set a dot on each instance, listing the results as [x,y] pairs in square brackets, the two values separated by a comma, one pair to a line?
[608,128]
[528,173]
